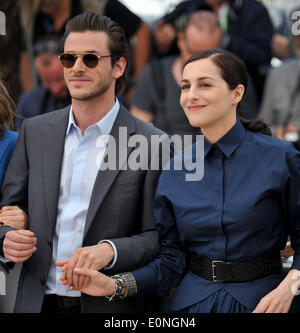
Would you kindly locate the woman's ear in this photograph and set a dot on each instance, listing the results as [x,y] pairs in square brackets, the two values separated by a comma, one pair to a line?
[238,93]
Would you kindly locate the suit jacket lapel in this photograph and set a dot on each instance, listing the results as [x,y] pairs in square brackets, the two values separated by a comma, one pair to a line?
[53,149]
[106,178]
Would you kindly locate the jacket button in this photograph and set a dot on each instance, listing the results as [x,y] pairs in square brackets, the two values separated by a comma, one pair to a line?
[49,242]
[43,281]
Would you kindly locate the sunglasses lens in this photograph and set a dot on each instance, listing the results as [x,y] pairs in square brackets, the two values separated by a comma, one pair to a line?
[90,60]
[67,60]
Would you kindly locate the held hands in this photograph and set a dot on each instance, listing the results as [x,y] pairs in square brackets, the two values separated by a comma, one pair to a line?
[92,258]
[280,299]
[14,217]
[97,284]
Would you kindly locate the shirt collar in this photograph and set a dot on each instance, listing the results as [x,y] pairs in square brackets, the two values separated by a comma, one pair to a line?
[105,124]
[230,141]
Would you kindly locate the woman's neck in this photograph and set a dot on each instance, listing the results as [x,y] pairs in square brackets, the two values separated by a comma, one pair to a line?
[215,132]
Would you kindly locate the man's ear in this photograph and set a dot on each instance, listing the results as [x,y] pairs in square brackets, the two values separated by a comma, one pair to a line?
[119,67]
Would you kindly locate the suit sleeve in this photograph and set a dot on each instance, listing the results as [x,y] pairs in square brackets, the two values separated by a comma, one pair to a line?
[135,251]
[167,270]
[15,184]
[14,188]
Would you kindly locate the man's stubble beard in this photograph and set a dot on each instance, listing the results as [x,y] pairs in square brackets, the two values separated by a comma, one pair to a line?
[94,94]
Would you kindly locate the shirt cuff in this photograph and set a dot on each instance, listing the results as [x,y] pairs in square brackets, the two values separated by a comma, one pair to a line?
[112,264]
[4,260]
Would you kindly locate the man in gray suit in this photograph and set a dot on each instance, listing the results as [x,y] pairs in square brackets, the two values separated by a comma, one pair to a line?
[78,215]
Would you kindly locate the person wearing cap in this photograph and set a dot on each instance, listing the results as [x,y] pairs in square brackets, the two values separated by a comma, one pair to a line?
[52,94]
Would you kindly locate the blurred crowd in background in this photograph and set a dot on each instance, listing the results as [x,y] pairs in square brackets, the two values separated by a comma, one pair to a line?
[162,34]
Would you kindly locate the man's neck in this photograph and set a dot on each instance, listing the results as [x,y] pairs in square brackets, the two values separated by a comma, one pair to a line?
[88,113]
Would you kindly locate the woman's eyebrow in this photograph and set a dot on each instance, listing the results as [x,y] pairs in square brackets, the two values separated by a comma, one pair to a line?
[200,78]
[205,78]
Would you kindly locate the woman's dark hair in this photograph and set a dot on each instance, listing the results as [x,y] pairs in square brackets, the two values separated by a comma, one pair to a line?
[233,72]
[7,106]
[117,45]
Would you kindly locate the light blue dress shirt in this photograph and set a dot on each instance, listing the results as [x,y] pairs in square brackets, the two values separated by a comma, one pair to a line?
[80,166]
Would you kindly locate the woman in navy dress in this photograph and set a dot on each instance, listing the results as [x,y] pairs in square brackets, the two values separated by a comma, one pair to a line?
[221,236]
[13,215]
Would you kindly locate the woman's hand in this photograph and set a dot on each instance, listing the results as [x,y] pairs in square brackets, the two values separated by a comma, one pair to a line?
[97,283]
[280,299]
[13,216]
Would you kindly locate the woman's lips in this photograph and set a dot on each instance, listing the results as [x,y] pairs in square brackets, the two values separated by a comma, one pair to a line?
[196,107]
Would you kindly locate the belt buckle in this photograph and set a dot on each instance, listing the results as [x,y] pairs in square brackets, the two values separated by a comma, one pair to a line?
[214,274]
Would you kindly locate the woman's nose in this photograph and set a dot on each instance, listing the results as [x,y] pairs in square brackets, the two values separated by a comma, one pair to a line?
[194,93]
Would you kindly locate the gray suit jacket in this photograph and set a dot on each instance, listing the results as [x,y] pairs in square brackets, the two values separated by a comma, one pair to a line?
[120,207]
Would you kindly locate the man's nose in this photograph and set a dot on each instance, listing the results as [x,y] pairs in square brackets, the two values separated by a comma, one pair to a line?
[79,65]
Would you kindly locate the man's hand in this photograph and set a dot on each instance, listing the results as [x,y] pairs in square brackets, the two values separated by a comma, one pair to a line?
[14,217]
[93,257]
[19,245]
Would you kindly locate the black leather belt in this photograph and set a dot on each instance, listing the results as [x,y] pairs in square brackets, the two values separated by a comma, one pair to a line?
[237,271]
[62,302]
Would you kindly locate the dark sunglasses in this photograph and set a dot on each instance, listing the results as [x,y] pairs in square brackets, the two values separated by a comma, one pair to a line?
[89,59]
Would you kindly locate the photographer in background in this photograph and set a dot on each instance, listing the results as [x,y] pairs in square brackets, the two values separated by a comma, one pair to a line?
[281,99]
[166,28]
[52,94]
